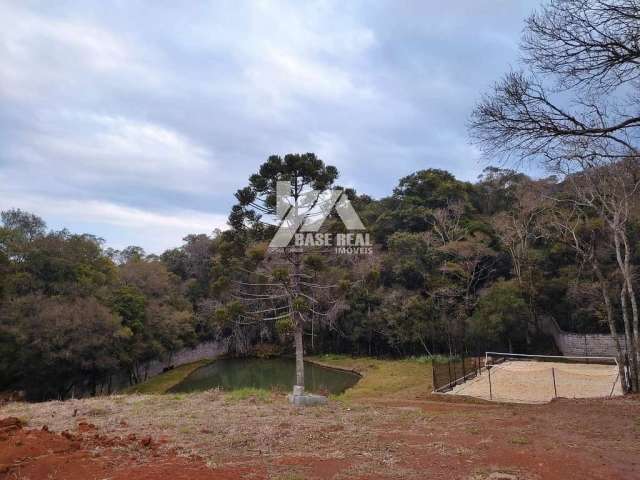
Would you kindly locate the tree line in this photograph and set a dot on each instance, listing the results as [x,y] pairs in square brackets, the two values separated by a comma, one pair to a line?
[453,263]
[73,313]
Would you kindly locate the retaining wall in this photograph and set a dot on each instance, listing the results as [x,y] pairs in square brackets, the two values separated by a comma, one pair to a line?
[187,355]
[581,345]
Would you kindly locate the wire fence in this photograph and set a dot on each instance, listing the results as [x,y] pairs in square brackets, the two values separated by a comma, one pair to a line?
[454,370]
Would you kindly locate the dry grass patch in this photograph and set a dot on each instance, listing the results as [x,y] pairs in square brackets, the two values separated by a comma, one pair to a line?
[354,440]
[382,378]
[520,440]
[218,425]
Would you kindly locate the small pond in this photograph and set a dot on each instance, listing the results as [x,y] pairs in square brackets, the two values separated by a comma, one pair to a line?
[280,373]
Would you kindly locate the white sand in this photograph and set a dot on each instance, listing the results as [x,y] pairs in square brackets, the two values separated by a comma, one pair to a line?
[532,382]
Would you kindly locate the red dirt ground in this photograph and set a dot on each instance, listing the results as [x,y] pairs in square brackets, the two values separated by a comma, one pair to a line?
[37,454]
[86,455]
[563,440]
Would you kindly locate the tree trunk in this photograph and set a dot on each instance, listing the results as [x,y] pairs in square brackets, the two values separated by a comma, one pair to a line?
[626,291]
[527,291]
[299,330]
[298,320]
[424,345]
[604,288]
[633,364]
[628,275]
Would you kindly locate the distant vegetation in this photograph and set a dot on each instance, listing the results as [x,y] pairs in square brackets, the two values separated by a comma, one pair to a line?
[443,272]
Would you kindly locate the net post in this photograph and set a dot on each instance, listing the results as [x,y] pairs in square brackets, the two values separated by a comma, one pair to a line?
[490,389]
[614,384]
[553,374]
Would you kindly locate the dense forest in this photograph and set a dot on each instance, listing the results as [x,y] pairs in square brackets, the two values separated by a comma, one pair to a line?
[454,263]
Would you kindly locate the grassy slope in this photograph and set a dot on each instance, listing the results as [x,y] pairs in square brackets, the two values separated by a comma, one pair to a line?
[163,382]
[406,379]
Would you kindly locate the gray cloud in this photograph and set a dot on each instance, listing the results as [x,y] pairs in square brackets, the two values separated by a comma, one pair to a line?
[138,120]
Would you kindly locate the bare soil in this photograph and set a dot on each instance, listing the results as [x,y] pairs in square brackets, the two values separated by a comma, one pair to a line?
[208,436]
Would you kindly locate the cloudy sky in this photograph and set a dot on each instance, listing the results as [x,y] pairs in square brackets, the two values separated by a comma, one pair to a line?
[136,121]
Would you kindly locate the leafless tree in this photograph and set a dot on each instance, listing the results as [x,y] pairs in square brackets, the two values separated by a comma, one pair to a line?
[573,224]
[576,98]
[590,43]
[518,228]
[576,111]
[447,222]
[468,262]
[613,191]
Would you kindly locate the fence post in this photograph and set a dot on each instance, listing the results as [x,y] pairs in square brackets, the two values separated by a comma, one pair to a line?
[449,368]
[555,390]
[490,390]
[455,373]
[464,373]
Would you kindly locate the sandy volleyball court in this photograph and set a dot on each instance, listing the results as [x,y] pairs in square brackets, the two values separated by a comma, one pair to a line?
[533,382]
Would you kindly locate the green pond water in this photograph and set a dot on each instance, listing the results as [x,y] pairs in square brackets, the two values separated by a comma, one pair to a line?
[280,373]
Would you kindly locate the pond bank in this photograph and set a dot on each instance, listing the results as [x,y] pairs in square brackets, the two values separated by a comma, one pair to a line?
[163,382]
[408,379]
[270,374]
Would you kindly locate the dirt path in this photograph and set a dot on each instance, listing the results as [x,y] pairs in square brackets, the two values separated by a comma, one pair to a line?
[205,436]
